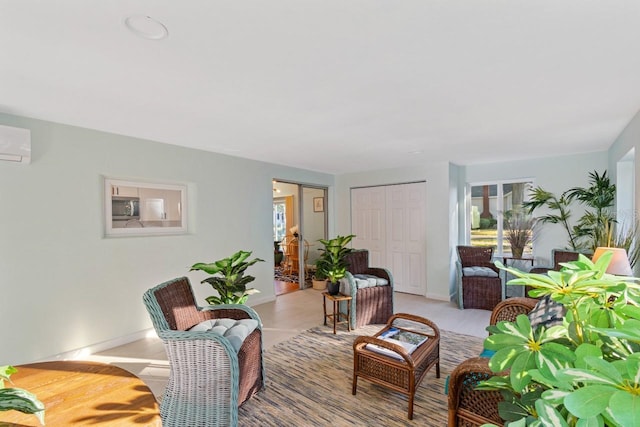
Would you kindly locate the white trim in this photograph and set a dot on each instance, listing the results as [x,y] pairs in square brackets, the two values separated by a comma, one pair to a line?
[83,352]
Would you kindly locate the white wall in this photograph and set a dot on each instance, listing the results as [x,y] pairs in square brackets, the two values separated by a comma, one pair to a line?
[556,175]
[437,177]
[64,285]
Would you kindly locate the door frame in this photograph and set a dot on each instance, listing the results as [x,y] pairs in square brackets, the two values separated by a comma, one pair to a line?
[301,226]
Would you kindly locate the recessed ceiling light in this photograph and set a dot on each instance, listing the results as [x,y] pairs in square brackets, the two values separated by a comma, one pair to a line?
[146,27]
[416,152]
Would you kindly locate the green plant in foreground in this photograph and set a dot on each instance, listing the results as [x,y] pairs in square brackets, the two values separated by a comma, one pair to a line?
[18,399]
[231,283]
[582,373]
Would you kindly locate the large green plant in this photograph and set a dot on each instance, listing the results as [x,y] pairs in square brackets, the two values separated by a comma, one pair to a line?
[598,198]
[332,263]
[231,283]
[598,226]
[559,211]
[584,372]
[18,399]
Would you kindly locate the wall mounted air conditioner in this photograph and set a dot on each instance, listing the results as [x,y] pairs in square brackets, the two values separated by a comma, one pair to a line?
[15,144]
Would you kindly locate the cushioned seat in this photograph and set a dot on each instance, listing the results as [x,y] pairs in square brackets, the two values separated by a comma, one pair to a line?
[479,282]
[214,352]
[371,289]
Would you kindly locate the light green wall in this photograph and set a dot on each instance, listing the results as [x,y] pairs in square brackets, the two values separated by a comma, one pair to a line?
[628,139]
[64,285]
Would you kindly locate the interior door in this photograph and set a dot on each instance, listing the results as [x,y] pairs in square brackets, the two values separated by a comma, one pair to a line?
[389,221]
[368,222]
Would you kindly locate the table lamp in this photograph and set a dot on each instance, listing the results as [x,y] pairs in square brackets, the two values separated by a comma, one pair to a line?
[619,264]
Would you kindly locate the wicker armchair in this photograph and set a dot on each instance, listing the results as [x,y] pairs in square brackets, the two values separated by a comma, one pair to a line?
[373,305]
[208,379]
[469,407]
[477,290]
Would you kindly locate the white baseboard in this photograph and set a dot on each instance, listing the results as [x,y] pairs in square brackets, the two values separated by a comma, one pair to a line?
[105,345]
[438,297]
[126,339]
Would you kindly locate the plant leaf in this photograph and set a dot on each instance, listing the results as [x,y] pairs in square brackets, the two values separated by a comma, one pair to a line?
[625,408]
[511,412]
[591,422]
[588,401]
[549,416]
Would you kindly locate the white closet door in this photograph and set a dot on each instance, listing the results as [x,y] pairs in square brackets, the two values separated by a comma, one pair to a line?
[390,222]
[368,210]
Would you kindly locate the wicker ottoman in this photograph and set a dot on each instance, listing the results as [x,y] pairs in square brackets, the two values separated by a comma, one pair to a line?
[404,372]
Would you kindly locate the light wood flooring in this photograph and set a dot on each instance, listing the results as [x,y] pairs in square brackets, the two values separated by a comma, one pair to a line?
[287,316]
[281,288]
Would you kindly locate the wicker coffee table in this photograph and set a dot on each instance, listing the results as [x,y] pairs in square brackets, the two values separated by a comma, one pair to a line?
[403,372]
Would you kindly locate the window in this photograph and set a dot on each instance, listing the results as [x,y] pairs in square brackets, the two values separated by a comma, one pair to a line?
[497,219]
[279,220]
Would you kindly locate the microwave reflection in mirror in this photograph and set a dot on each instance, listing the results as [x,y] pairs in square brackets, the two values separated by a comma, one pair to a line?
[156,208]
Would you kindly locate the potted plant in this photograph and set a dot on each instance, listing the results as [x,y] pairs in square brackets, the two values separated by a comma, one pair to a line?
[319,278]
[584,371]
[591,227]
[332,262]
[231,283]
[18,399]
[518,227]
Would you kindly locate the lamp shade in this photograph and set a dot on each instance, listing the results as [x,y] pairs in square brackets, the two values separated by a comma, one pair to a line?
[619,264]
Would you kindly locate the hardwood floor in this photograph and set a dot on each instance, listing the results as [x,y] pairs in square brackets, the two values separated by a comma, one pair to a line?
[281,288]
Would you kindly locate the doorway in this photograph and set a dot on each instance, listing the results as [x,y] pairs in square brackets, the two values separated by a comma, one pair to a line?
[299,220]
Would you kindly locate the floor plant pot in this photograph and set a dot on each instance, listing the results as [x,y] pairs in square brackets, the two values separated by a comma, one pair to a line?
[319,285]
[333,288]
[517,252]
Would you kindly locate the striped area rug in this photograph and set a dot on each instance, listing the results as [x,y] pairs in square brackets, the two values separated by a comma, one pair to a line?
[309,384]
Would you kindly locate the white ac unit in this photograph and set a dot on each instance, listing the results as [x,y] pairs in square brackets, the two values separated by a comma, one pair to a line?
[15,144]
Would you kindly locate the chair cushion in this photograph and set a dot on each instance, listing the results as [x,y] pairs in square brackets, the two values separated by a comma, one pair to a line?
[547,312]
[479,272]
[233,330]
[368,280]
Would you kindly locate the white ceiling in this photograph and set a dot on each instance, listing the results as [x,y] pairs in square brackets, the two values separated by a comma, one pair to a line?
[333,85]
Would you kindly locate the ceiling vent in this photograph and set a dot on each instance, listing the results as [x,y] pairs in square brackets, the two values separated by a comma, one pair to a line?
[15,144]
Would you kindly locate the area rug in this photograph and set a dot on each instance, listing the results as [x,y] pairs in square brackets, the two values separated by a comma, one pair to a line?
[309,384]
[291,278]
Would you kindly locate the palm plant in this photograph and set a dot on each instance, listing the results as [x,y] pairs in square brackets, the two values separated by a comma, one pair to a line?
[231,283]
[598,226]
[599,197]
[582,372]
[541,198]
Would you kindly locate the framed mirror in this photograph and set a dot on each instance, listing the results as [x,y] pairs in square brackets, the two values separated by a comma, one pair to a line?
[141,208]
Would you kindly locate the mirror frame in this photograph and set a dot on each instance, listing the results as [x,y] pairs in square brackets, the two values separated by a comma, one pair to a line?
[110,231]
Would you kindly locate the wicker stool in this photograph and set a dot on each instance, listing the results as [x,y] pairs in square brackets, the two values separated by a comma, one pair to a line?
[402,374]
